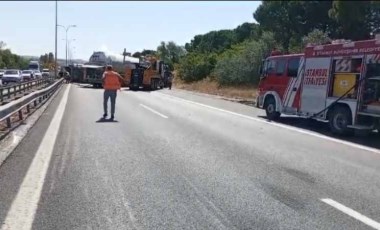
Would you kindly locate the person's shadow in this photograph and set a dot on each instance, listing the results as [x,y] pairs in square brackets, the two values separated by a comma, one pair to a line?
[104,120]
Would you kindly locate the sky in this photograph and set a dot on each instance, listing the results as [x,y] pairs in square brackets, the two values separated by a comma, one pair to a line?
[28,28]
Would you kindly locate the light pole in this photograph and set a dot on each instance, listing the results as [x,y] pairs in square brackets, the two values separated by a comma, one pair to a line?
[68,42]
[69,49]
[71,54]
[56,30]
[67,29]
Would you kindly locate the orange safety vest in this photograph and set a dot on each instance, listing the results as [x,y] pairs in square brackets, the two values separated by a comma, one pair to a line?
[111,81]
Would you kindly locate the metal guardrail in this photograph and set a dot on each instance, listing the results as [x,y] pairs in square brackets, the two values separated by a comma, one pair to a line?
[16,106]
[7,92]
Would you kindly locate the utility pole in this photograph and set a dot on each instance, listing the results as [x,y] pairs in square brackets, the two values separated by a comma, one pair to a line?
[67,30]
[124,54]
[56,40]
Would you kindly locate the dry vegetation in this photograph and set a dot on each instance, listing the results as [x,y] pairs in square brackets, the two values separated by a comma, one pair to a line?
[239,93]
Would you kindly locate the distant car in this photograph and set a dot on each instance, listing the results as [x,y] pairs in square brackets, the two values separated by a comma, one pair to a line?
[37,74]
[27,75]
[12,75]
[45,73]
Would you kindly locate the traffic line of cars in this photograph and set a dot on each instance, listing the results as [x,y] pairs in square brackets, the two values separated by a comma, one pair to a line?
[15,76]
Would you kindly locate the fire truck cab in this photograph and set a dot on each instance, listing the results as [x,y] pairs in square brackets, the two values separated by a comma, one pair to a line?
[338,83]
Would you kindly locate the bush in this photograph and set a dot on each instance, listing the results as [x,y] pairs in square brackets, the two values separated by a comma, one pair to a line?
[316,37]
[241,64]
[195,66]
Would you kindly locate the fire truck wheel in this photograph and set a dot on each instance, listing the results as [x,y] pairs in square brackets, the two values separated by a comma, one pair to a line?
[339,119]
[270,109]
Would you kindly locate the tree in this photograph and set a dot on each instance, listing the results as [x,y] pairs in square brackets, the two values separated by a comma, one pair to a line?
[214,41]
[240,64]
[316,37]
[170,52]
[10,60]
[163,51]
[44,58]
[148,52]
[196,66]
[374,17]
[247,31]
[136,55]
[292,20]
[51,58]
[352,14]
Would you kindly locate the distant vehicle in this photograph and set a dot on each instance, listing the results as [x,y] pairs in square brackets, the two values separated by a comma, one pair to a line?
[45,73]
[27,75]
[34,65]
[37,74]
[1,72]
[12,75]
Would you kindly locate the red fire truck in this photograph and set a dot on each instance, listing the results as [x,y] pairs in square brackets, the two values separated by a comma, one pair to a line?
[337,82]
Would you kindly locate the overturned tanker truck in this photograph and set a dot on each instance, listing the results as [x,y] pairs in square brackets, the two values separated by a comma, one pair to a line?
[99,60]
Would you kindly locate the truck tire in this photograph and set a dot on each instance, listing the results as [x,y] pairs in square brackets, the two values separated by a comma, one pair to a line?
[152,83]
[270,109]
[339,118]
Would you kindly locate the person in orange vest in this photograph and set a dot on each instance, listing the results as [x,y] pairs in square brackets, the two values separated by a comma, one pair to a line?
[111,83]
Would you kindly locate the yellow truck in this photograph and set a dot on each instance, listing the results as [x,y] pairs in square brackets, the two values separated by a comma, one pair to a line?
[148,74]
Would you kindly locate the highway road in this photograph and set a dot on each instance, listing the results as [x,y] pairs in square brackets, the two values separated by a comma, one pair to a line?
[177,160]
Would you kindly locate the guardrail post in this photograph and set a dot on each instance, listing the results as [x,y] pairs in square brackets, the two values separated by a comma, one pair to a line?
[20,115]
[35,103]
[9,93]
[28,108]
[9,124]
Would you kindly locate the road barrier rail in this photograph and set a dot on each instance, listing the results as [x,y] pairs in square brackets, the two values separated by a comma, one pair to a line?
[17,106]
[16,91]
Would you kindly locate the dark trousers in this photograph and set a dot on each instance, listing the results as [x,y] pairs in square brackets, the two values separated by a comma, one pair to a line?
[109,94]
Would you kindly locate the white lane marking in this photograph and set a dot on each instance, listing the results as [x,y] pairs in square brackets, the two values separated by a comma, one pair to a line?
[153,111]
[352,213]
[23,209]
[277,124]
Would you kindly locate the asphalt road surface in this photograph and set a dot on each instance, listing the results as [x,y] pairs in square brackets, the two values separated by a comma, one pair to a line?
[176,160]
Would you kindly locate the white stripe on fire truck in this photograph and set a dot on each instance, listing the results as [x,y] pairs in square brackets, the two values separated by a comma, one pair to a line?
[373,58]
[298,82]
[287,91]
[343,65]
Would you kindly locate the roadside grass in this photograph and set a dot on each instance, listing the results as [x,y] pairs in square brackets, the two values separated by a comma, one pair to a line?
[243,93]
